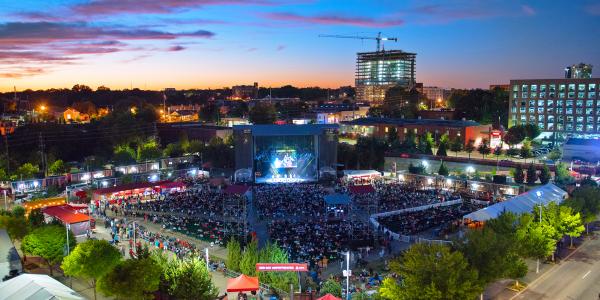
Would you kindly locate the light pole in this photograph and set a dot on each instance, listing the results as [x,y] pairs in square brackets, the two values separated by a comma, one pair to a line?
[348,275]
[539,196]
[5,202]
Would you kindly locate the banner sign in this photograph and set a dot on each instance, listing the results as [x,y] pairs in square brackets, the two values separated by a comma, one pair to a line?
[291,267]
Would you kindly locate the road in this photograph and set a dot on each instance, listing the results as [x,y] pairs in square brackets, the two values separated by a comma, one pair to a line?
[576,278]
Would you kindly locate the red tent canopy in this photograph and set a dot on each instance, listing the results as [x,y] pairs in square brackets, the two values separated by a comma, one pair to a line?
[66,214]
[361,189]
[236,189]
[242,283]
[329,297]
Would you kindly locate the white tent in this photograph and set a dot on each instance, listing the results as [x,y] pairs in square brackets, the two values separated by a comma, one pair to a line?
[36,287]
[522,203]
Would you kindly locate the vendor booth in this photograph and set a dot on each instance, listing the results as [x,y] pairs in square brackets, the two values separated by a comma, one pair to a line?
[138,189]
[242,283]
[78,222]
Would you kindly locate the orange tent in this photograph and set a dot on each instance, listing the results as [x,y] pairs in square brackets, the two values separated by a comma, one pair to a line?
[329,297]
[242,283]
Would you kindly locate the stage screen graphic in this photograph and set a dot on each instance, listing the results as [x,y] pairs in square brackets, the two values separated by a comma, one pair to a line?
[285,159]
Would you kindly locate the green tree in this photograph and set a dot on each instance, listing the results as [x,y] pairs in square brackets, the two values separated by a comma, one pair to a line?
[123,154]
[586,201]
[188,279]
[16,227]
[389,289]
[209,113]
[57,167]
[149,150]
[433,271]
[515,135]
[545,175]
[443,171]
[131,279]
[271,253]
[536,239]
[195,146]
[483,148]
[519,175]
[555,154]
[443,145]
[456,145]
[18,211]
[571,223]
[331,286]
[49,243]
[27,171]
[36,218]
[249,259]
[562,175]
[263,113]
[532,175]
[470,147]
[234,255]
[91,260]
[531,131]
[498,152]
[173,150]
[526,150]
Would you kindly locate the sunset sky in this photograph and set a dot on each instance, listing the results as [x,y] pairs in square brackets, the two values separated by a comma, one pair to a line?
[215,43]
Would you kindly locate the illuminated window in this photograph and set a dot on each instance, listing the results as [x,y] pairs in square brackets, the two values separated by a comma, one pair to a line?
[542,88]
[515,87]
[589,103]
[524,88]
[592,87]
[540,103]
[534,87]
[571,87]
[581,87]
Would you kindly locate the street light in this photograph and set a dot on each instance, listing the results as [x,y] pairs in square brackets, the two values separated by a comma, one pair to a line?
[470,169]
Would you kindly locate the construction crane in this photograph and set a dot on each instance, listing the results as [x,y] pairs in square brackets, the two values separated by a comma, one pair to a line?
[378,38]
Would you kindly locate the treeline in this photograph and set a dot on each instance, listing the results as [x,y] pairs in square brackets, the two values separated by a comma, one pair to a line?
[463,268]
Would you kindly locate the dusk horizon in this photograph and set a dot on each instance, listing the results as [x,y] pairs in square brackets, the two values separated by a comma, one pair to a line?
[215,44]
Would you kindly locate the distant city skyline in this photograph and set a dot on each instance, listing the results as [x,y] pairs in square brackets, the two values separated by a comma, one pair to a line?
[187,44]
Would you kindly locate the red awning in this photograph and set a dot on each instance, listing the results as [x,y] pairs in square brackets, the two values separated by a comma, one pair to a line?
[242,283]
[172,185]
[236,189]
[130,186]
[66,214]
[329,297]
[361,189]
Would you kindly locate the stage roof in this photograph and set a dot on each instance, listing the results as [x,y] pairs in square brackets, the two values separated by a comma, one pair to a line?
[66,214]
[288,129]
[337,199]
[36,287]
[523,203]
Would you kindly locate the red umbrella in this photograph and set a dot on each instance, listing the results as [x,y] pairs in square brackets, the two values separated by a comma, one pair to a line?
[329,297]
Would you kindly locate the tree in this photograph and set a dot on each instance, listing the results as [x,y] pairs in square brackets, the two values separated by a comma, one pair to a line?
[433,271]
[470,147]
[418,169]
[400,102]
[586,201]
[234,255]
[149,150]
[392,136]
[389,289]
[456,145]
[526,150]
[545,175]
[571,223]
[483,148]
[91,260]
[271,253]
[532,176]
[535,239]
[555,154]
[263,113]
[498,152]
[561,174]
[209,113]
[331,286]
[27,171]
[515,135]
[492,254]
[173,150]
[443,145]
[187,279]
[36,218]
[57,167]
[49,243]
[123,154]
[16,227]
[443,171]
[131,279]
[249,259]
[519,176]
[531,131]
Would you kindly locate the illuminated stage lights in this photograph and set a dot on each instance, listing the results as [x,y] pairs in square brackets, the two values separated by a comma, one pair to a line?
[287,180]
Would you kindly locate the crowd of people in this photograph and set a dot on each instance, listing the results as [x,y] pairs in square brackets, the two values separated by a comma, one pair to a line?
[289,200]
[318,240]
[395,196]
[414,222]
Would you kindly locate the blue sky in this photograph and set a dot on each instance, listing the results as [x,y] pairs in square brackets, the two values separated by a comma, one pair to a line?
[215,43]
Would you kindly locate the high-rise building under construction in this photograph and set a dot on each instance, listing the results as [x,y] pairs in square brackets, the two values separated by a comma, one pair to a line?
[378,71]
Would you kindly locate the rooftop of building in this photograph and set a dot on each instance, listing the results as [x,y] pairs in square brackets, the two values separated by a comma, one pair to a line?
[192,125]
[583,142]
[594,79]
[403,122]
[287,129]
